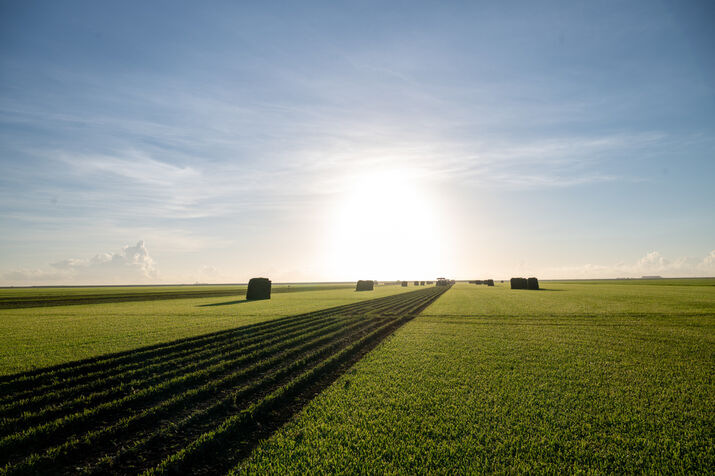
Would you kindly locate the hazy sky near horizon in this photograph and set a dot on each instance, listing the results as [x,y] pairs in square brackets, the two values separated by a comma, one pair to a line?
[321,141]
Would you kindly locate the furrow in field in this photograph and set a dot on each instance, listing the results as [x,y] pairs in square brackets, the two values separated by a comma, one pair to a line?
[222,390]
[218,450]
[235,435]
[31,379]
[149,449]
[124,376]
[68,425]
[125,430]
[58,403]
[138,357]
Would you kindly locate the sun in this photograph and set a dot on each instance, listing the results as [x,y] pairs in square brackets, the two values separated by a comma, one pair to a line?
[385,225]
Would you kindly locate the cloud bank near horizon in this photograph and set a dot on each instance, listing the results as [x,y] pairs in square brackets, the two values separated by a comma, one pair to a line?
[134,265]
[131,265]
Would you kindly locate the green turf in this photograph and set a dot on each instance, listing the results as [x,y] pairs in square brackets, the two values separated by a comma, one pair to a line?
[38,337]
[16,298]
[591,378]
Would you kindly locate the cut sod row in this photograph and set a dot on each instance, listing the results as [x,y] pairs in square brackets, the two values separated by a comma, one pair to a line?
[132,427]
[137,376]
[85,446]
[59,403]
[34,379]
[65,425]
[218,450]
[13,423]
[71,378]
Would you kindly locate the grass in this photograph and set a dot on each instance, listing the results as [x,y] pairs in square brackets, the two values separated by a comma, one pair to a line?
[188,406]
[42,336]
[609,378]
[15,298]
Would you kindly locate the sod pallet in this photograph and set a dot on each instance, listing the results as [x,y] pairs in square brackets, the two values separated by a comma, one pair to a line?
[258,288]
[363,285]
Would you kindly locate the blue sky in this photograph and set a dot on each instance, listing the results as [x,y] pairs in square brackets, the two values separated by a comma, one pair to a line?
[315,141]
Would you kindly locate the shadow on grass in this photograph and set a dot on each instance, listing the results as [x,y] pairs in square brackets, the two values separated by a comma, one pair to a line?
[227,303]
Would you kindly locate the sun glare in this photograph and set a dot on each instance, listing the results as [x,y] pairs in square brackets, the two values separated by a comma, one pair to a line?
[385,226]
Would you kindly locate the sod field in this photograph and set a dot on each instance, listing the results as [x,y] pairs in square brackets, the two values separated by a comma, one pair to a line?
[592,377]
[41,336]
[581,376]
[15,298]
[189,406]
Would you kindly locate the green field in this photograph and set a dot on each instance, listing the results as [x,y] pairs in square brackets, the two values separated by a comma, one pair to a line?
[604,377]
[15,298]
[579,377]
[188,406]
[41,336]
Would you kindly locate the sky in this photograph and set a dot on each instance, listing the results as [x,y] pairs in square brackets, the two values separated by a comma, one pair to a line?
[182,142]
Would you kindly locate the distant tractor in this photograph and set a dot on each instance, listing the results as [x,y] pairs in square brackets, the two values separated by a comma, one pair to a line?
[258,288]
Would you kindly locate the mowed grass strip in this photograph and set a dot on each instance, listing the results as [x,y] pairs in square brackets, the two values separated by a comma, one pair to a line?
[625,386]
[41,337]
[17,298]
[124,428]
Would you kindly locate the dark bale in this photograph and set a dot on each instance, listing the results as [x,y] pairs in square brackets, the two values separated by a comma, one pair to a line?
[442,282]
[430,282]
[365,285]
[258,288]
[422,283]
[404,284]
[532,283]
[417,283]
[490,282]
[518,283]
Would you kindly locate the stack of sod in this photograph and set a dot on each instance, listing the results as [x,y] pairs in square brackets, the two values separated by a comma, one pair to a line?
[258,288]
[365,285]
